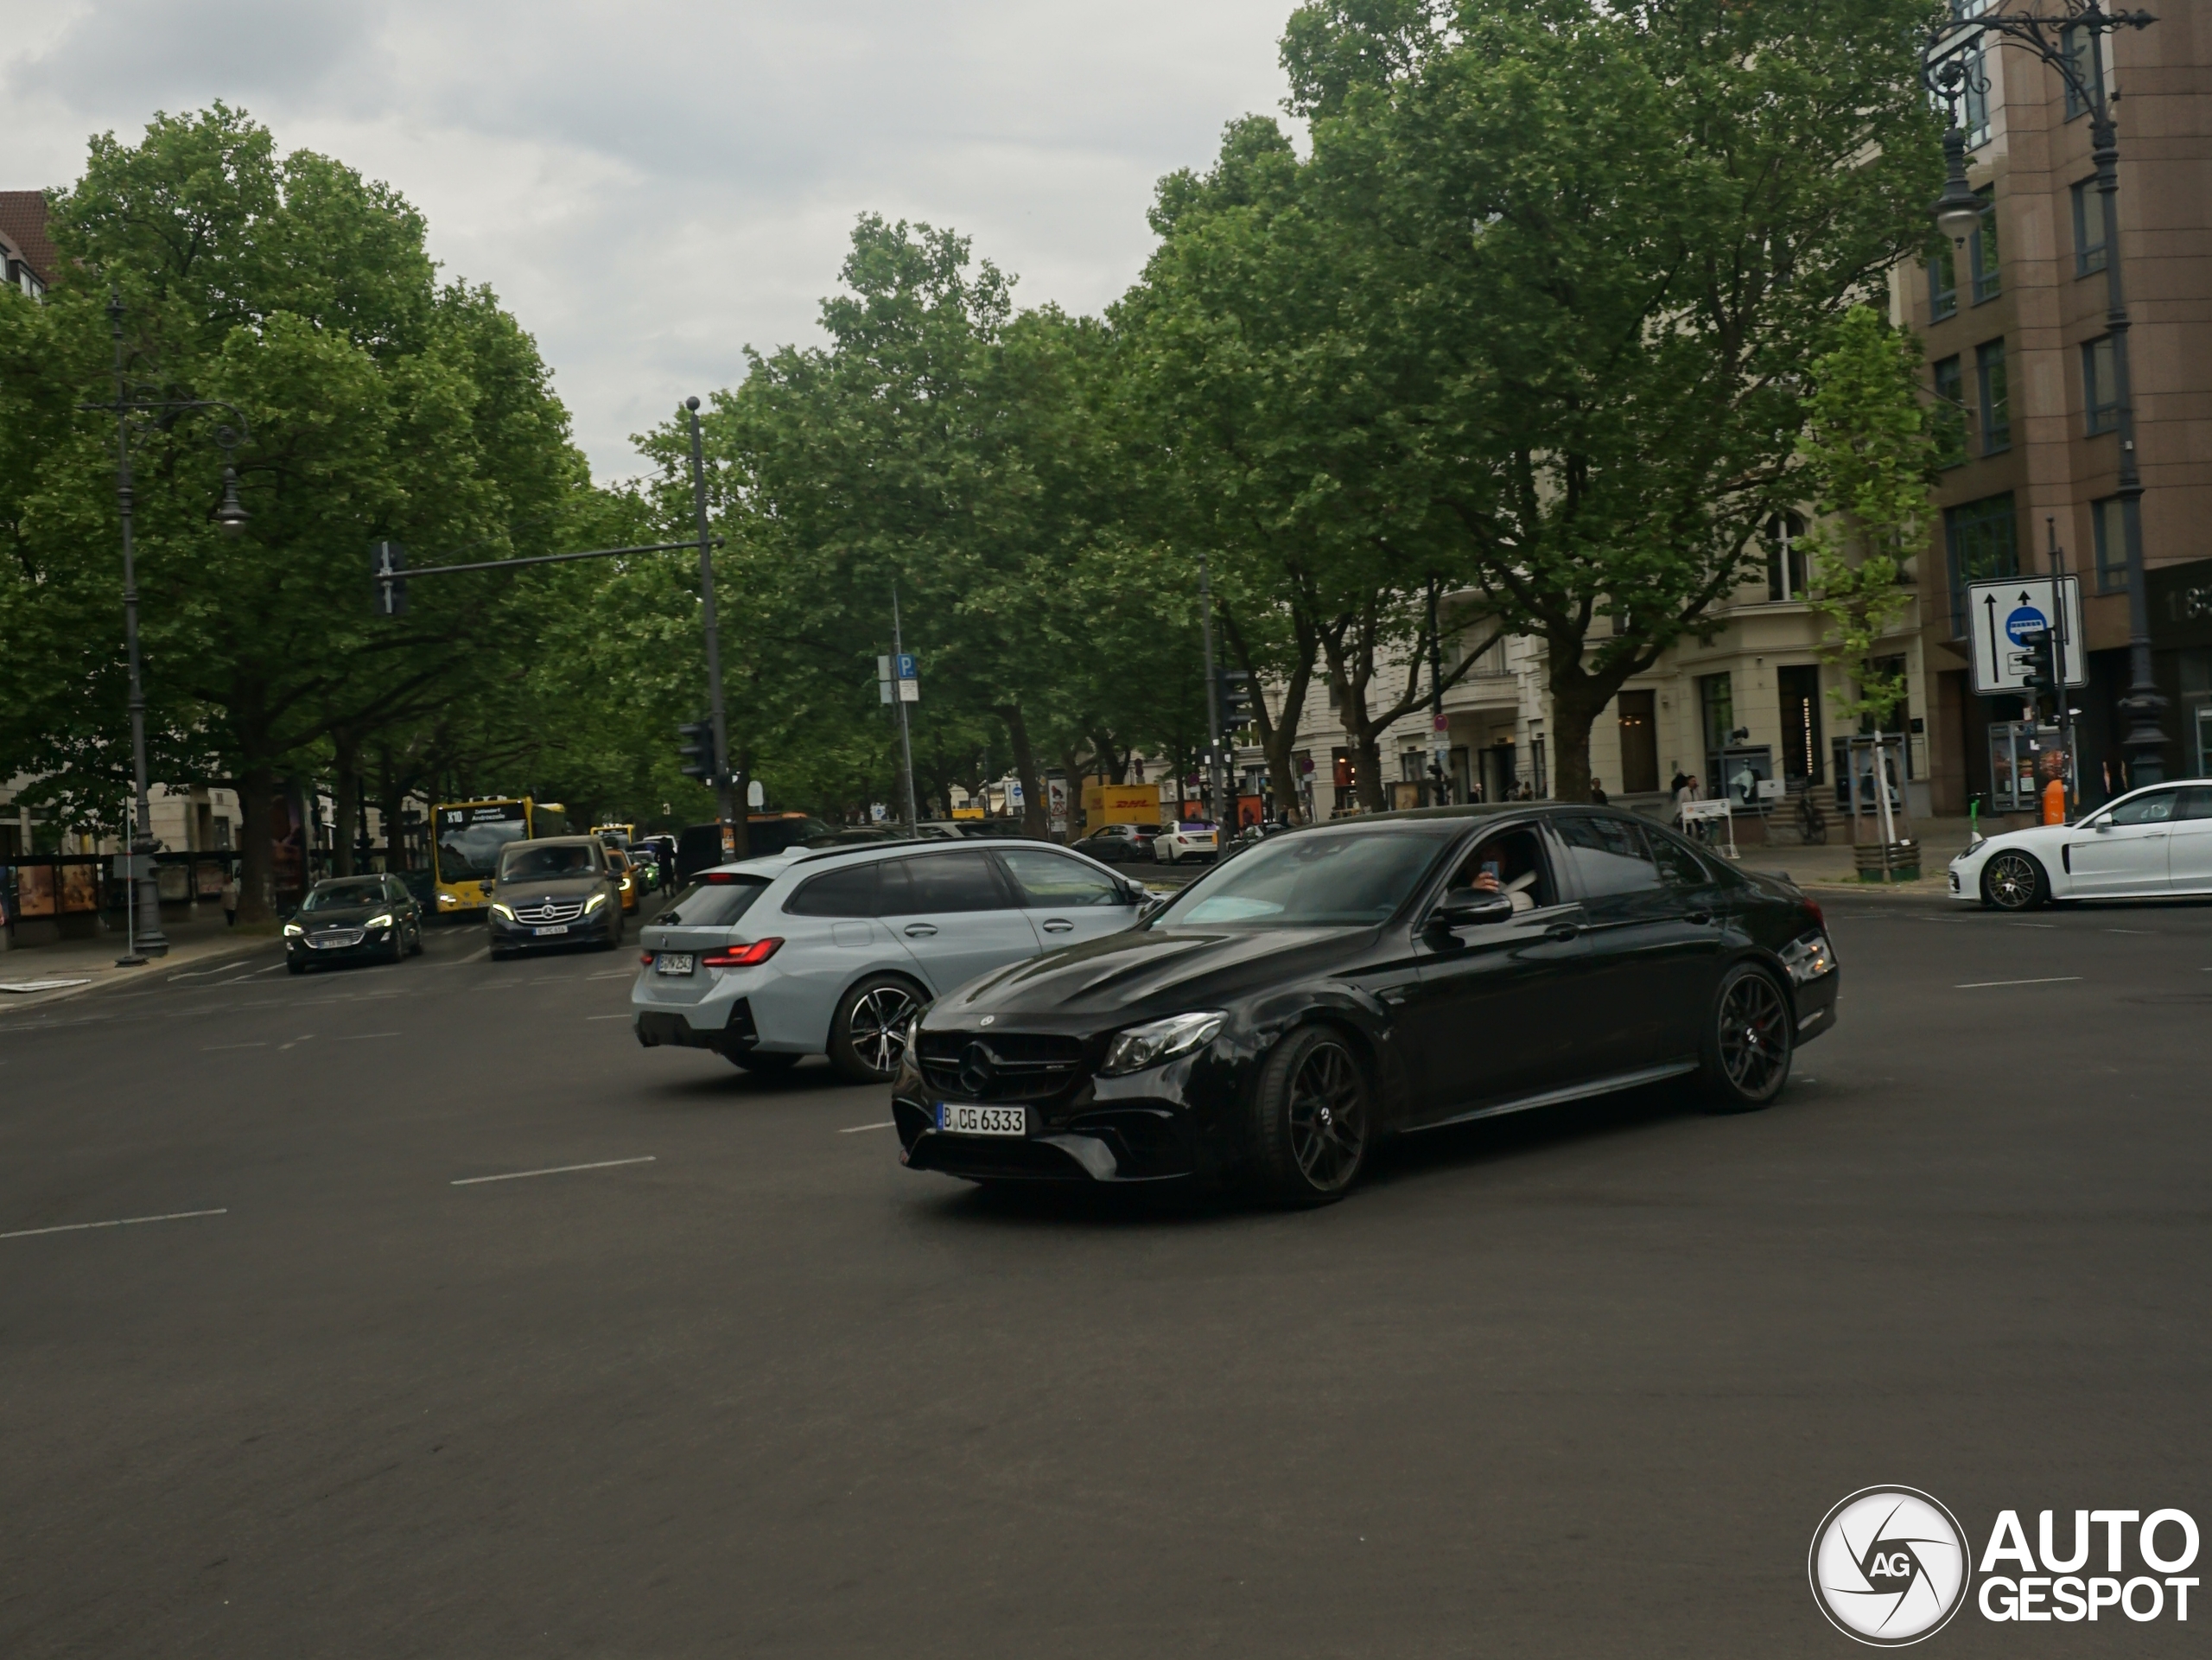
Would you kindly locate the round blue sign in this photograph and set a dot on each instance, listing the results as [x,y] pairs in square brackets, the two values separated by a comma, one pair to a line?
[2021,620]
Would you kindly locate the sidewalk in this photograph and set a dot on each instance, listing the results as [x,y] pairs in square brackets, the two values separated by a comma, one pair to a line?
[197,945]
[1833,865]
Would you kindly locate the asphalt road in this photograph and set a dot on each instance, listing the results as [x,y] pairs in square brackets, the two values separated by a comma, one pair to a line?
[1580,1384]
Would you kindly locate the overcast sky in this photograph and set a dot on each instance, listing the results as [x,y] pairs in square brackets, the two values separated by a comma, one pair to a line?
[650,185]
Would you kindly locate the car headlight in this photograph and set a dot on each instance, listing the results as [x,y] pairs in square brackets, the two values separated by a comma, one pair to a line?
[293,931]
[1808,958]
[1157,1041]
[597,900]
[383,921]
[502,911]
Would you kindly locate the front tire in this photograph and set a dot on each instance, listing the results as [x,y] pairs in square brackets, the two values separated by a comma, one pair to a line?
[1312,1120]
[2013,880]
[867,1034]
[1748,1041]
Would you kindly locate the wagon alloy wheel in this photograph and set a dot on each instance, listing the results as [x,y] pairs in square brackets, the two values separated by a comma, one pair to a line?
[1328,1118]
[879,1027]
[2012,883]
[868,1039]
[1754,1035]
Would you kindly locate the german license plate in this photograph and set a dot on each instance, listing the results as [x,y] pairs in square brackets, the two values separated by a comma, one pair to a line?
[673,962]
[966,1118]
[558,928]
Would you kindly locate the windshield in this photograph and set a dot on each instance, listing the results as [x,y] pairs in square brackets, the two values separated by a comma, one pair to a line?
[468,846]
[346,896]
[546,863]
[715,903]
[1307,882]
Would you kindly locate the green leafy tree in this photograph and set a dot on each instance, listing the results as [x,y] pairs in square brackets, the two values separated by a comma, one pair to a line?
[1869,449]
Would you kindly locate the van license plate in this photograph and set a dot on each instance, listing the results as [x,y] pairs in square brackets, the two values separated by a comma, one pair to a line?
[673,962]
[966,1118]
[558,928]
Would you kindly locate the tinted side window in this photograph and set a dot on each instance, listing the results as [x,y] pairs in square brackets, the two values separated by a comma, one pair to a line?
[1046,880]
[1609,855]
[2195,802]
[947,882]
[2153,809]
[847,893]
[1678,866]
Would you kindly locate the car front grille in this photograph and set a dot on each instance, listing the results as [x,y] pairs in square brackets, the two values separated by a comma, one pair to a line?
[336,941]
[548,910]
[1001,1065]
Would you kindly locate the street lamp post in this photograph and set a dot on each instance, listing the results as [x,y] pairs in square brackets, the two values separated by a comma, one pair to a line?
[1949,71]
[147,940]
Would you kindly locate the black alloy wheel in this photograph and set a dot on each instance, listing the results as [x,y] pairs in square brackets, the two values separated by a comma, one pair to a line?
[1313,1119]
[768,1064]
[2012,880]
[1748,1042]
[868,1036]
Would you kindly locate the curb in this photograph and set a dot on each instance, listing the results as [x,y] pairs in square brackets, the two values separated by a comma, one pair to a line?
[104,978]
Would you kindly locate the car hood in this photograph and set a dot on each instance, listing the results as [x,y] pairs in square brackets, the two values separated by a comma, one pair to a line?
[1142,972]
[351,916]
[556,887]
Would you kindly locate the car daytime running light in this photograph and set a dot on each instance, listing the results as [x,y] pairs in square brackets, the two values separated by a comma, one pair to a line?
[1157,1041]
[746,956]
[597,900]
[501,910]
[383,921]
[293,931]
[1808,958]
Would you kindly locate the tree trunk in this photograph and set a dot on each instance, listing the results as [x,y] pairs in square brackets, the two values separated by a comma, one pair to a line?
[1578,699]
[345,804]
[256,872]
[1278,734]
[1035,819]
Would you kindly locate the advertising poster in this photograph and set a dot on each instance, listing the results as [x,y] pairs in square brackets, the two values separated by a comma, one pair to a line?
[80,888]
[207,881]
[34,894]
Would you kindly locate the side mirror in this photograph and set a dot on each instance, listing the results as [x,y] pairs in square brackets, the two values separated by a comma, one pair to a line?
[1471,908]
[1152,907]
[490,886]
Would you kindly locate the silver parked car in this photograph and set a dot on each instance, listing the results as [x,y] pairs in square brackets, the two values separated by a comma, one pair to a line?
[832,952]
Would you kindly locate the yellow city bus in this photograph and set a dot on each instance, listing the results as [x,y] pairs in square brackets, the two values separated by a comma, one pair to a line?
[470,836]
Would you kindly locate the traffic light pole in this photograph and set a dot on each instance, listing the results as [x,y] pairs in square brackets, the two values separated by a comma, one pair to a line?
[899,699]
[727,791]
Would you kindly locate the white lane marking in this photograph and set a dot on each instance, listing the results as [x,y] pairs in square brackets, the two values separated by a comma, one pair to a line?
[271,969]
[624,1015]
[2140,933]
[616,974]
[305,1038]
[888,1124]
[120,1222]
[478,955]
[212,1048]
[1984,985]
[551,1170]
[360,1037]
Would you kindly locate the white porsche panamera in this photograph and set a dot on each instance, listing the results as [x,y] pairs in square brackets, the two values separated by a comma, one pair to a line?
[2154,842]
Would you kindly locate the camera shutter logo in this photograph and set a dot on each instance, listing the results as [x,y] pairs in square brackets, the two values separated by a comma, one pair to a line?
[1889,1566]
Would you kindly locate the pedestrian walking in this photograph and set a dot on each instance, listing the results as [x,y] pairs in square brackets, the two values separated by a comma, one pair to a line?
[230,899]
[1597,791]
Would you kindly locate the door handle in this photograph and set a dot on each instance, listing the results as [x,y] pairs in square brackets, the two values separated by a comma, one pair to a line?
[1699,917]
[1059,925]
[920,931]
[1561,931]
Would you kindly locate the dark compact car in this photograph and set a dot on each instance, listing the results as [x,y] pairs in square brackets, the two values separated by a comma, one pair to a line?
[559,891]
[1342,983]
[1120,843]
[354,919]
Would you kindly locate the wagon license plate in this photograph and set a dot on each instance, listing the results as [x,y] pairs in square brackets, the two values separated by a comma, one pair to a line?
[558,928]
[966,1118]
[673,962]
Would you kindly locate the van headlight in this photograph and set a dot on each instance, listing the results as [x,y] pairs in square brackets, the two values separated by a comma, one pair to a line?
[499,910]
[597,900]
[1157,1041]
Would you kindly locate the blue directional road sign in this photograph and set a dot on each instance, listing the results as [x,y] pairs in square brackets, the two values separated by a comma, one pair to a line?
[1999,613]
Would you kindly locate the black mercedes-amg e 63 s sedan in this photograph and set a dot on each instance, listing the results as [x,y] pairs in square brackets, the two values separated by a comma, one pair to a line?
[1349,981]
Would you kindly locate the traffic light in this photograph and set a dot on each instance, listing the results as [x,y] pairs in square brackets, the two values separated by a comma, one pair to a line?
[697,749]
[1238,699]
[2039,650]
[387,588]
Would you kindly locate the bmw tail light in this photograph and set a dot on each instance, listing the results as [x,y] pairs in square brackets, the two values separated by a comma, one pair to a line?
[745,957]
